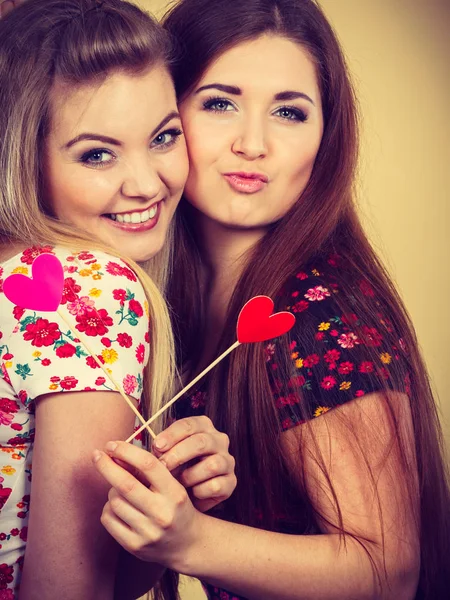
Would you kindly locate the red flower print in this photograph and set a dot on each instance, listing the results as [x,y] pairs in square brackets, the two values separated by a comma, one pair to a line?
[140,353]
[147,337]
[359,393]
[100,381]
[94,323]
[302,276]
[298,381]
[68,383]
[45,362]
[136,307]
[288,400]
[90,361]
[80,305]
[106,342]
[70,291]
[120,295]
[348,340]
[8,356]
[320,336]
[14,532]
[371,336]
[65,351]
[345,367]
[4,495]
[85,256]
[328,382]
[366,367]
[366,288]
[198,399]
[23,396]
[24,533]
[18,312]
[8,406]
[300,306]
[115,269]
[125,340]
[349,319]
[30,254]
[55,379]
[287,424]
[311,360]
[317,293]
[6,594]
[333,260]
[332,356]
[129,384]
[42,333]
[17,427]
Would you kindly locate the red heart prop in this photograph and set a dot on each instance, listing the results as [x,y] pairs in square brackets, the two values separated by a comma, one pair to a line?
[43,290]
[256,323]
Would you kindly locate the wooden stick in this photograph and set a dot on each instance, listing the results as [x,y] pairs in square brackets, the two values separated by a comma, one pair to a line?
[109,376]
[184,390]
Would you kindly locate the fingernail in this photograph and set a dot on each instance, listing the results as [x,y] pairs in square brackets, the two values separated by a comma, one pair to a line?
[96,455]
[160,444]
[111,446]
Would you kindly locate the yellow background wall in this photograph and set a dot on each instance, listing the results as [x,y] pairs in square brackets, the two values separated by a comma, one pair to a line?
[398,53]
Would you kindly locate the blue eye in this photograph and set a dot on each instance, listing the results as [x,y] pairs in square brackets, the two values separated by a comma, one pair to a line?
[291,113]
[96,158]
[218,105]
[167,138]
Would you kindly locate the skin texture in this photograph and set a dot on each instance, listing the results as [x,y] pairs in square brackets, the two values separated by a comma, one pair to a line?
[254,563]
[91,178]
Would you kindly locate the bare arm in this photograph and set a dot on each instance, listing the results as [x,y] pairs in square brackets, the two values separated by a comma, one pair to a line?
[266,565]
[69,554]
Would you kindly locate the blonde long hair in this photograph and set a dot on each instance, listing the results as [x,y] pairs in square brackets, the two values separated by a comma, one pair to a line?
[75,41]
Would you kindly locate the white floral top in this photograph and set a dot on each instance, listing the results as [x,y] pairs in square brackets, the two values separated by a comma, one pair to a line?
[106,304]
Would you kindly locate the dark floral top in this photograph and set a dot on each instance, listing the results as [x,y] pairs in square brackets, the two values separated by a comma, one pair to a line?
[106,305]
[334,358]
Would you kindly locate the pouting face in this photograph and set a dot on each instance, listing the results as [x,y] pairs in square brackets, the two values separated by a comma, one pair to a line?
[253,127]
[115,159]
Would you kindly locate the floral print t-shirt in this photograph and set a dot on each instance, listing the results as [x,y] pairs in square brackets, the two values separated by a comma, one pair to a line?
[105,303]
[334,360]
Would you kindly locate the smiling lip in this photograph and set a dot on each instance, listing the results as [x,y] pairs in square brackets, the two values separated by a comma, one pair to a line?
[246,183]
[137,227]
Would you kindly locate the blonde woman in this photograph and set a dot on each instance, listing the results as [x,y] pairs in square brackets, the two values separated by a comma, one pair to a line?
[92,164]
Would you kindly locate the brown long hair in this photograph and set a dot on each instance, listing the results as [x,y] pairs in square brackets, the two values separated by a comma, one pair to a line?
[78,42]
[323,221]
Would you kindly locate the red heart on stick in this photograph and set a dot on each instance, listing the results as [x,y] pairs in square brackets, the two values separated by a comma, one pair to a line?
[257,323]
[43,291]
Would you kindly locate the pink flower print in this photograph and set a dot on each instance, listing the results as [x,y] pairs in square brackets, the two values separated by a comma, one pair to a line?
[129,384]
[328,382]
[6,418]
[198,399]
[348,340]
[80,305]
[70,291]
[269,351]
[317,293]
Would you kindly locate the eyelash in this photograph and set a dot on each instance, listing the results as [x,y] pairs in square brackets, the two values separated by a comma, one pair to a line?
[87,156]
[298,114]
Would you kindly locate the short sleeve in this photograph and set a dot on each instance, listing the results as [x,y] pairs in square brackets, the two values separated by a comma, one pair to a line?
[333,357]
[106,307]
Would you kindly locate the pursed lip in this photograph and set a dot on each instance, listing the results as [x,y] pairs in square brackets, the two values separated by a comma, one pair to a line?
[245,175]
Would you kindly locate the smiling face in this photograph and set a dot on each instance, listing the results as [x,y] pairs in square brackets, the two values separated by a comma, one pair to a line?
[115,160]
[253,126]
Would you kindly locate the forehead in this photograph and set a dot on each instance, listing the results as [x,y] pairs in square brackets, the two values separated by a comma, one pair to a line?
[270,59]
[118,104]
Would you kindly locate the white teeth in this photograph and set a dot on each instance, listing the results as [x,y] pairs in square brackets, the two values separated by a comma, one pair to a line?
[135,217]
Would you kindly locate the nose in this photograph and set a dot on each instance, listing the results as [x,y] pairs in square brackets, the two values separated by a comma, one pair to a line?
[251,141]
[142,181]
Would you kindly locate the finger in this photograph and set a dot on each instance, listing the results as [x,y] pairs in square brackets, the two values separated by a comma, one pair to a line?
[180,430]
[194,447]
[151,470]
[206,469]
[119,530]
[211,493]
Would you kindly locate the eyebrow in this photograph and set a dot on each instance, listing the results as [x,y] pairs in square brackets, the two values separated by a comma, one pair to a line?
[109,140]
[236,91]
